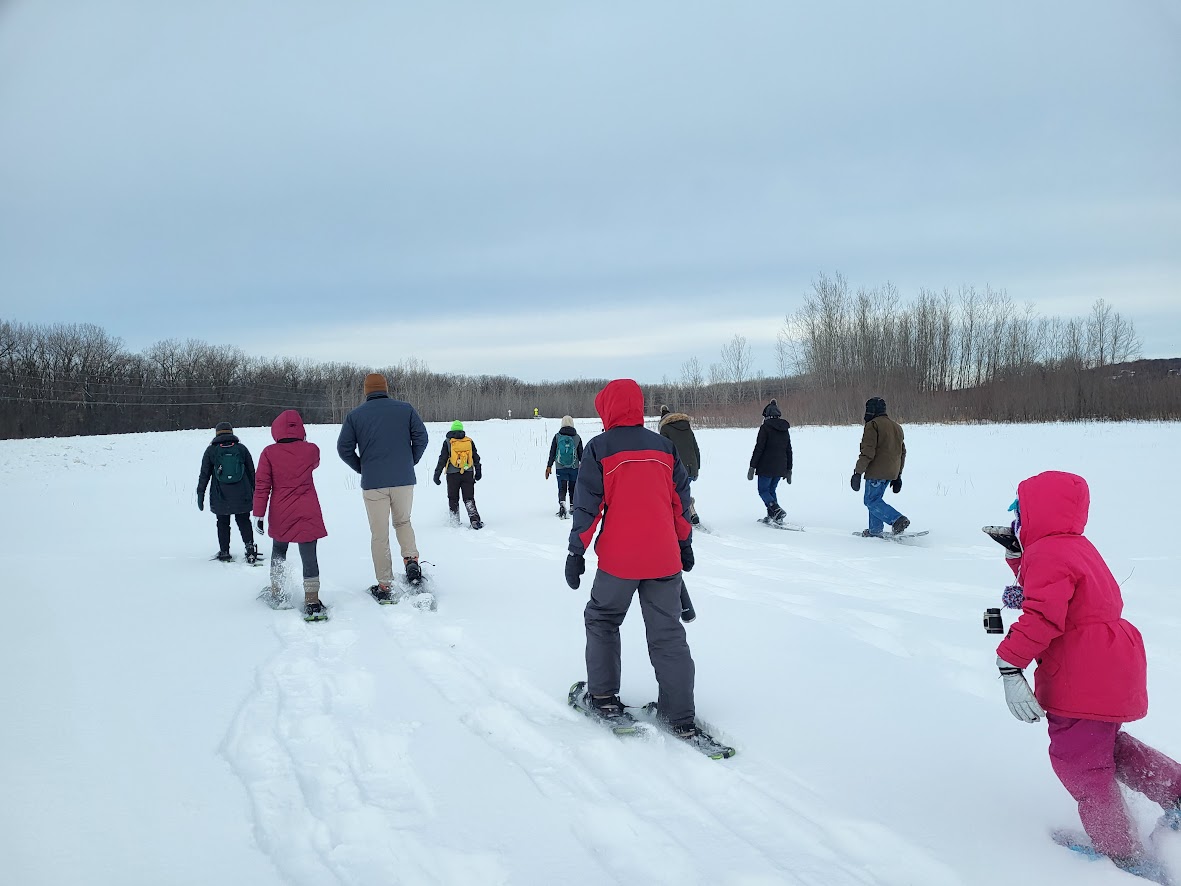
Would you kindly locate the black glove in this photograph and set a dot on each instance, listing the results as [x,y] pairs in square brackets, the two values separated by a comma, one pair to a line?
[258,523]
[687,560]
[438,482]
[896,484]
[200,504]
[750,475]
[788,478]
[855,482]
[575,566]
[479,475]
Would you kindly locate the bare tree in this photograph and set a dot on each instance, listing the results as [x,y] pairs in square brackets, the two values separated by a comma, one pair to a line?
[736,360]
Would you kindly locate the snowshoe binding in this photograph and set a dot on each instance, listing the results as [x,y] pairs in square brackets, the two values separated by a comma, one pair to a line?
[223,557]
[609,711]
[382,594]
[253,557]
[315,611]
[562,511]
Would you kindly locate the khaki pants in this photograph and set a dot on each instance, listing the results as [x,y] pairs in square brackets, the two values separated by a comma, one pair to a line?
[382,505]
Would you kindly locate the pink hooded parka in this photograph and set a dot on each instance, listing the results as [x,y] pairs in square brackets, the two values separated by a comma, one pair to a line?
[285,477]
[1091,662]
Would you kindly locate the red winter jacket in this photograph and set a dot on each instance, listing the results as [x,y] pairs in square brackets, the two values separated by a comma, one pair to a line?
[285,477]
[631,480]
[1091,662]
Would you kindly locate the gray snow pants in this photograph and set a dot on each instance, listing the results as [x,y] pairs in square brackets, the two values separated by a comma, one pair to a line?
[660,604]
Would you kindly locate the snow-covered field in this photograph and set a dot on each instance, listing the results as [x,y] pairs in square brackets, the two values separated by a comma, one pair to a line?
[161,727]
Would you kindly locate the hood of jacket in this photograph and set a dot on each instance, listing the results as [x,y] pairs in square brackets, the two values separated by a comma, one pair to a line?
[777,424]
[1052,503]
[568,431]
[676,418]
[456,435]
[224,438]
[288,426]
[620,404]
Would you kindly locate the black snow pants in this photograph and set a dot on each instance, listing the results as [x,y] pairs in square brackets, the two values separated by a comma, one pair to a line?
[244,527]
[464,483]
[660,604]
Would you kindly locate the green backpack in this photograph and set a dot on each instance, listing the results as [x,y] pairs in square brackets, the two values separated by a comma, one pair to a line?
[228,464]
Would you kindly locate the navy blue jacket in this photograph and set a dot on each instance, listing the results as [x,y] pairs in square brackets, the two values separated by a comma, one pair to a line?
[382,440]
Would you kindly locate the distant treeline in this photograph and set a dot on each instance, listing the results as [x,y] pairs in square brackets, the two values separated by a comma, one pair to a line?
[972,357]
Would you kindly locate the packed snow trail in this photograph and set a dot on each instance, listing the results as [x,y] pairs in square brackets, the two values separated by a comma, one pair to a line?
[157,709]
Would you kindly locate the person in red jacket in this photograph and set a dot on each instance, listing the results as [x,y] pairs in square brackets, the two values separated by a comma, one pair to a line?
[634,490]
[1091,674]
[284,478]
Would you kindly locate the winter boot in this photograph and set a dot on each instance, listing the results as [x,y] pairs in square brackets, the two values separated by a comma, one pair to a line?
[381,593]
[684,731]
[561,510]
[865,533]
[313,609]
[900,525]
[608,707]
[252,553]
[779,514]
[453,518]
[224,557]
[413,570]
[473,515]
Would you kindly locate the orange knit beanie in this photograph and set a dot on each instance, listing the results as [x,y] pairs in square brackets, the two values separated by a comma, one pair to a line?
[375,382]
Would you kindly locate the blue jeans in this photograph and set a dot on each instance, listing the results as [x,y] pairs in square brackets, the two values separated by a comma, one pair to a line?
[879,511]
[767,490]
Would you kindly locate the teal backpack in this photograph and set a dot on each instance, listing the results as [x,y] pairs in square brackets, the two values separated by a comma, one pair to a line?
[228,464]
[567,455]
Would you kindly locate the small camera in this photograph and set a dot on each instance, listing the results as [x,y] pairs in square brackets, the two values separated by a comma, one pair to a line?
[992,622]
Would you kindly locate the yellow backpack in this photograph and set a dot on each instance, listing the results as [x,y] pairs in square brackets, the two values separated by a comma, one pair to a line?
[461,454]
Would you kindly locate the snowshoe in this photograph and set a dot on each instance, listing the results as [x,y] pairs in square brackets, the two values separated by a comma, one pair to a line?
[252,555]
[274,599]
[608,711]
[223,557]
[1145,866]
[315,611]
[692,734]
[695,520]
[381,595]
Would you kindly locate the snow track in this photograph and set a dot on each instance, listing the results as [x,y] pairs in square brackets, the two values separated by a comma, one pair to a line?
[393,746]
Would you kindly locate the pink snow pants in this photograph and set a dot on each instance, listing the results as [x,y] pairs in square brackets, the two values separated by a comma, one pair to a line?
[1089,756]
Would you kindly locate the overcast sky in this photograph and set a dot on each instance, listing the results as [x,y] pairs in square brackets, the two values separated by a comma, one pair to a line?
[557,189]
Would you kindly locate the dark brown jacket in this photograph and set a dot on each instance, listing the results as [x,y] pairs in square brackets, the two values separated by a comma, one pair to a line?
[883,450]
[675,426]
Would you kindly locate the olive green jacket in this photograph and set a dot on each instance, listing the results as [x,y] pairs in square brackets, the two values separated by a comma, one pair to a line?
[883,449]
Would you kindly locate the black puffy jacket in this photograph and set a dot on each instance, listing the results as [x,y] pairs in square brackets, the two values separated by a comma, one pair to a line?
[772,455]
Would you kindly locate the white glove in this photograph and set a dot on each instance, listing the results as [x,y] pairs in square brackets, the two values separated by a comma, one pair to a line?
[1018,695]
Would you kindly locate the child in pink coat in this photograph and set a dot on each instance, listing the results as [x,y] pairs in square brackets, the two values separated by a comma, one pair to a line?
[284,481]
[1091,674]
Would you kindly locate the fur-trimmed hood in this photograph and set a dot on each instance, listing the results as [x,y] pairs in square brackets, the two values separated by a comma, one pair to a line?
[674,417]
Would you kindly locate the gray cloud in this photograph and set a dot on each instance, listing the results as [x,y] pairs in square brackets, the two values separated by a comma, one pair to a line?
[522,166]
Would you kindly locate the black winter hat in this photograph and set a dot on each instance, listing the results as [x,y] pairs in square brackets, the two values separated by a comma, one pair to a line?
[874,407]
[223,427]
[771,410]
